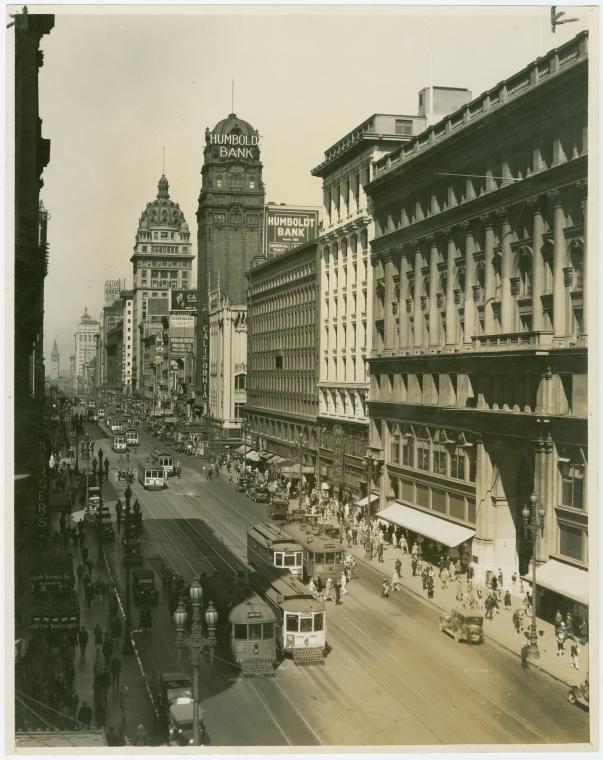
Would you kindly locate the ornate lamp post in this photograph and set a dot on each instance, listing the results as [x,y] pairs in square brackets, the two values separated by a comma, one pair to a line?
[196,643]
[533,524]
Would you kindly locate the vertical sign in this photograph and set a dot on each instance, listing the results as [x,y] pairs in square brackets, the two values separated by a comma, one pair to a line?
[204,355]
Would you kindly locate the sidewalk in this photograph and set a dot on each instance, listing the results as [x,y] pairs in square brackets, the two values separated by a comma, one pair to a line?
[500,629]
[139,707]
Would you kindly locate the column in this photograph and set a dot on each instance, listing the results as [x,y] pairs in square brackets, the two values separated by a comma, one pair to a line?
[404,294]
[451,313]
[489,280]
[434,312]
[469,283]
[537,265]
[583,188]
[485,526]
[505,273]
[559,294]
[418,314]
[388,312]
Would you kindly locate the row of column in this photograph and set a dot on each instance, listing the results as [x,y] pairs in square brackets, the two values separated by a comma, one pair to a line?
[343,190]
[410,275]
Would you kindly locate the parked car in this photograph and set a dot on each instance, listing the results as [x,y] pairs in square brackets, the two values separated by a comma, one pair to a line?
[143,587]
[174,688]
[243,484]
[260,494]
[463,627]
[181,725]
[580,695]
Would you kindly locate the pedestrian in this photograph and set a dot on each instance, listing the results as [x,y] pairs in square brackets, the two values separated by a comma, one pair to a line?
[80,574]
[430,587]
[141,739]
[395,582]
[583,632]
[444,577]
[385,589]
[574,653]
[514,582]
[517,620]
[98,635]
[490,604]
[499,579]
[99,588]
[82,638]
[124,696]
[84,550]
[569,624]
[403,544]
[493,582]
[337,588]
[107,650]
[507,600]
[343,582]
[561,641]
[328,595]
[100,715]
[398,567]
[414,564]
[558,620]
[106,469]
[84,714]
[89,565]
[148,620]
[112,737]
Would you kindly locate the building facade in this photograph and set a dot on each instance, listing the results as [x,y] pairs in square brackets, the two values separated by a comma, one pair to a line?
[113,379]
[162,261]
[227,364]
[230,219]
[85,338]
[478,395]
[112,315]
[282,400]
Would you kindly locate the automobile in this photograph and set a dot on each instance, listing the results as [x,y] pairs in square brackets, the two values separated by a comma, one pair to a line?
[463,627]
[261,495]
[104,523]
[579,695]
[174,688]
[181,725]
[243,484]
[143,587]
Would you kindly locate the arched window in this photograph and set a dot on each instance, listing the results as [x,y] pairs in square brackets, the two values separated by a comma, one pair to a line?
[577,263]
[524,271]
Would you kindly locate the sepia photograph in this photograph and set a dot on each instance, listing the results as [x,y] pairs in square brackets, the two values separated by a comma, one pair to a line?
[298,387]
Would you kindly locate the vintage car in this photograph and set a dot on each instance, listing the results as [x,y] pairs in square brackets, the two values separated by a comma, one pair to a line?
[259,494]
[463,627]
[104,523]
[243,484]
[580,695]
[143,587]
[181,725]
[174,688]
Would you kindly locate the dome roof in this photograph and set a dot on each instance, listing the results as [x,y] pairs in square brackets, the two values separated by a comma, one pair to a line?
[162,212]
[233,123]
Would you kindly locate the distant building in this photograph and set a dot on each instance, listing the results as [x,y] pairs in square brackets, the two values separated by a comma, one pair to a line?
[85,338]
[230,221]
[162,261]
[112,290]
[55,368]
[478,367]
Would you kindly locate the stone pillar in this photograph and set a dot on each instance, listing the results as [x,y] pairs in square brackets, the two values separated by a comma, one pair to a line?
[559,248]
[388,315]
[537,265]
[544,490]
[507,322]
[485,526]
[469,283]
[583,188]
[489,277]
[434,312]
[404,294]
[451,312]
[418,314]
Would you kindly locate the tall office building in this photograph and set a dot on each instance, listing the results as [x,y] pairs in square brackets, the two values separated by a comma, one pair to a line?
[230,221]
[55,362]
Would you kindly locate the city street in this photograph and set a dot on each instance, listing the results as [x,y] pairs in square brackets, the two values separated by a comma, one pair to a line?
[390,677]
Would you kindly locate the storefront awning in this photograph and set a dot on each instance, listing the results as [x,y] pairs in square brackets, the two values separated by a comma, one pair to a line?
[430,526]
[364,502]
[266,455]
[241,449]
[563,579]
[253,456]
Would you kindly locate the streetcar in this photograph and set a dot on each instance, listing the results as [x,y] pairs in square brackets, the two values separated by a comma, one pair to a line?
[119,443]
[163,460]
[301,625]
[323,556]
[150,476]
[132,438]
[246,623]
[268,546]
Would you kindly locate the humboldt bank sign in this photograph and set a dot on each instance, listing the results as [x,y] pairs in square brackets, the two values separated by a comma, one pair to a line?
[235,146]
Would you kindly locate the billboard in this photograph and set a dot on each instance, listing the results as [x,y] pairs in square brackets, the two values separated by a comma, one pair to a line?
[184,300]
[182,335]
[286,227]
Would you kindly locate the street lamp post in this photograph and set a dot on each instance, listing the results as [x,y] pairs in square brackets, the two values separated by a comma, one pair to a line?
[370,471]
[196,643]
[533,525]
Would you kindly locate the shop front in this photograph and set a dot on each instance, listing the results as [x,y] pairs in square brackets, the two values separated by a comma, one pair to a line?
[561,588]
[435,536]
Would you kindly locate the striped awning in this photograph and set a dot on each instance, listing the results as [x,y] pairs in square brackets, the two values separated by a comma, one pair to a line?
[253,456]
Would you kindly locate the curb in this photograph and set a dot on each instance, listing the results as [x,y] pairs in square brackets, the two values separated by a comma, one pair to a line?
[490,638]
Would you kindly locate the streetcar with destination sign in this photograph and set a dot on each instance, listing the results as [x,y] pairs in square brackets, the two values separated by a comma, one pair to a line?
[269,546]
[119,444]
[322,556]
[150,476]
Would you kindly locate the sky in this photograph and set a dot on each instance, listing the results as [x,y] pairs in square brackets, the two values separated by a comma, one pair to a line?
[120,84]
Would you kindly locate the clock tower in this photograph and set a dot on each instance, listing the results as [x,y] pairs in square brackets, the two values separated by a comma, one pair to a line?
[230,219]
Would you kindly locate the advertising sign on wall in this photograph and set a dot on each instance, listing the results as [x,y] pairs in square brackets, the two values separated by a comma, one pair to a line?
[286,227]
[234,146]
[184,300]
[182,334]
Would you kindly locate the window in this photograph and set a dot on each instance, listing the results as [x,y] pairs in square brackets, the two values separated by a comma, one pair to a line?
[305,625]
[218,183]
[278,559]
[423,451]
[255,631]
[278,362]
[404,127]
[572,480]
[240,382]
[252,184]
[457,464]
[439,459]
[268,630]
[240,632]
[291,623]
[164,235]
[572,542]
[408,451]
[395,449]
[319,621]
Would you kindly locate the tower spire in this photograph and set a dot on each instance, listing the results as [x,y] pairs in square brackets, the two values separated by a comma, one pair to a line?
[163,162]
[232,96]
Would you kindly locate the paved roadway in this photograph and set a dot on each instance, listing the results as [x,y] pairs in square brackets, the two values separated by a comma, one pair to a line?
[390,678]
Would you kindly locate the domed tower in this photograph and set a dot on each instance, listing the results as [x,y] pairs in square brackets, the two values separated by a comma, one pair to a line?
[162,262]
[230,222]
[55,362]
